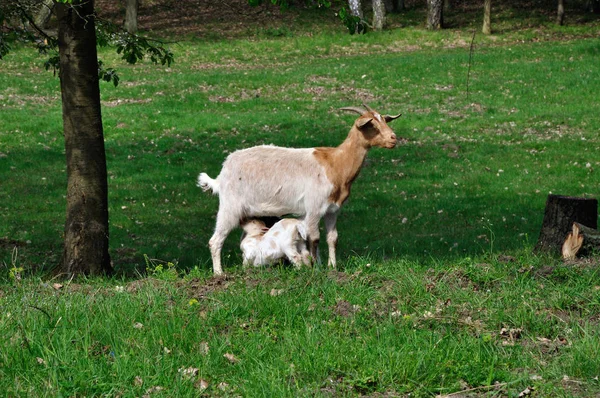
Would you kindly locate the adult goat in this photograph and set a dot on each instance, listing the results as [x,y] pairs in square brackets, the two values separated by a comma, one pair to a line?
[312,183]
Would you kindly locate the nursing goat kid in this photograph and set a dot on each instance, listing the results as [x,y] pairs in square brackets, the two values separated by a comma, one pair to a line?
[285,239]
[312,183]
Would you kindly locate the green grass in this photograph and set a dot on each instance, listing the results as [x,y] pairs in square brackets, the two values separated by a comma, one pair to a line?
[435,240]
[392,327]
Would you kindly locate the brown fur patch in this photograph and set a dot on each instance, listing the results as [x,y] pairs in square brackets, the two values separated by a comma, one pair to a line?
[342,165]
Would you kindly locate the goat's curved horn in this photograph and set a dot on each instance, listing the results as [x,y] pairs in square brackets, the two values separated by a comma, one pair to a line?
[389,118]
[367,107]
[356,109]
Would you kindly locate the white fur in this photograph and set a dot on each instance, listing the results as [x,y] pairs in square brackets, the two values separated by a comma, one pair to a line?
[267,181]
[274,181]
[285,239]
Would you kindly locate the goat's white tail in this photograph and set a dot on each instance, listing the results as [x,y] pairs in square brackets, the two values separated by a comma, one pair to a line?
[206,183]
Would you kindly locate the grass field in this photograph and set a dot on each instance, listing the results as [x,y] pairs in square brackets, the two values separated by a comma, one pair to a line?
[437,290]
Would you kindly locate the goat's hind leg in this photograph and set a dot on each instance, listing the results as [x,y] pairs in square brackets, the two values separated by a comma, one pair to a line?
[225,224]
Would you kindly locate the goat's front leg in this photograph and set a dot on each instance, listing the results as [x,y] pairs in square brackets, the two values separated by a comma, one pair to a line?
[312,229]
[332,236]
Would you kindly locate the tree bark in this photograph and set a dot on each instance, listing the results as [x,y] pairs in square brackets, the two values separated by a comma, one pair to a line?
[44,13]
[131,12]
[394,5]
[560,14]
[560,214]
[580,242]
[435,14]
[378,14]
[355,8]
[487,17]
[86,226]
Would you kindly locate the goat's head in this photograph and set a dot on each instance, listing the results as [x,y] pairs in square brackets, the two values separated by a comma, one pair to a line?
[254,227]
[374,127]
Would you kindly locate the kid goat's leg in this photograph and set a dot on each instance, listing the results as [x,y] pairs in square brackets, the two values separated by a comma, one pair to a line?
[332,236]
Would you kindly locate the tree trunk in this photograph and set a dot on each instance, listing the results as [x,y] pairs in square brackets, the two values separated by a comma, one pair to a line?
[86,226]
[378,14]
[131,11]
[434,14]
[581,241]
[560,14]
[560,214]
[595,6]
[487,17]
[355,8]
[394,5]
[44,13]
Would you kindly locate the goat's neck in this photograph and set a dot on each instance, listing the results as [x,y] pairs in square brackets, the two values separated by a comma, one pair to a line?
[342,164]
[352,153]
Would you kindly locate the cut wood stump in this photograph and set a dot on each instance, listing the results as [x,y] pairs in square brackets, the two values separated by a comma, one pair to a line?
[580,242]
[560,214]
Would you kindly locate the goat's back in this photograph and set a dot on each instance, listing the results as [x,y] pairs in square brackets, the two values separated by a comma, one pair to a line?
[272,181]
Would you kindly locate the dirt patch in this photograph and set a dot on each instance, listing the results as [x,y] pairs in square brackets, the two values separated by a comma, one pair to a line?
[345,309]
[200,289]
[139,284]
[339,276]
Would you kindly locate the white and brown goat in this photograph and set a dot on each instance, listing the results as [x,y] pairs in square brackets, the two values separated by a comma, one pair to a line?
[312,183]
[265,246]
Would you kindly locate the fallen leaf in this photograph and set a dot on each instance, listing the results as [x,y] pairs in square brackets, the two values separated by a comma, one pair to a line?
[204,348]
[188,373]
[57,286]
[41,361]
[223,386]
[137,381]
[137,325]
[231,358]
[526,392]
[201,384]
[276,292]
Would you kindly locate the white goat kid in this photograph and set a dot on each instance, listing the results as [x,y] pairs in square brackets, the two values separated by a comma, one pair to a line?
[312,183]
[285,239]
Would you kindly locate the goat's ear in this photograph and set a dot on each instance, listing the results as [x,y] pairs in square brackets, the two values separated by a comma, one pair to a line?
[363,122]
[389,118]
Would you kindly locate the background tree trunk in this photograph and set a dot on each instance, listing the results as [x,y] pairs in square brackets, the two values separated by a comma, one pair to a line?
[487,17]
[355,8]
[131,12]
[560,214]
[394,5]
[378,14]
[86,226]
[560,14]
[434,14]
[44,13]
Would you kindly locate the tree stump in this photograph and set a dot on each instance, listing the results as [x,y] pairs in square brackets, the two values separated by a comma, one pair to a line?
[560,214]
[581,241]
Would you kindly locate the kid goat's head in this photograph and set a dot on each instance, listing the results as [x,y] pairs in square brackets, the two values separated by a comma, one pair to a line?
[374,127]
